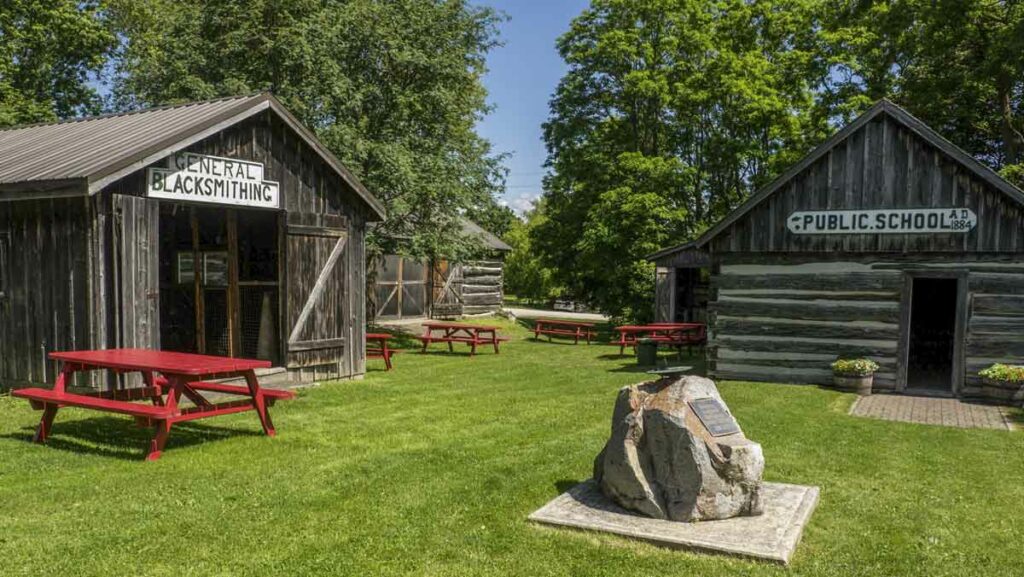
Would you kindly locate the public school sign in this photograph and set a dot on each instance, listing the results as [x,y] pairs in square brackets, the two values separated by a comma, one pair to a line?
[895,221]
[212,179]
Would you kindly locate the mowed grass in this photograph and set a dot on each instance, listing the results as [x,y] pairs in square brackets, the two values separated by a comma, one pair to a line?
[431,469]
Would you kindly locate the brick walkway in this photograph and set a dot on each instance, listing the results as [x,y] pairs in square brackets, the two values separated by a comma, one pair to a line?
[932,411]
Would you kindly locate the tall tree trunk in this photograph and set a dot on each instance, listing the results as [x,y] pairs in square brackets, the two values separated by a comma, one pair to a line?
[1013,140]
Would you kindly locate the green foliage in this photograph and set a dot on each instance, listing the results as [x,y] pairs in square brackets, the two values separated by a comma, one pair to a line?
[854,367]
[1005,373]
[49,50]
[670,114]
[392,88]
[525,275]
[956,64]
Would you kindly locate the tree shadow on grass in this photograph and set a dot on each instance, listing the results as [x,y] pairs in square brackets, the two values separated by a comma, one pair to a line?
[120,438]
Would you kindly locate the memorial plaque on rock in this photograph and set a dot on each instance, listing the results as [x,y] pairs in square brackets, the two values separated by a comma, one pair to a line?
[714,416]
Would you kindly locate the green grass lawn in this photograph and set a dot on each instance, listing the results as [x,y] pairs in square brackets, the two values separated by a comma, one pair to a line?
[431,469]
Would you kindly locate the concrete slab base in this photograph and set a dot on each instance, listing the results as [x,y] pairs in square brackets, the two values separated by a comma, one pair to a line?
[772,535]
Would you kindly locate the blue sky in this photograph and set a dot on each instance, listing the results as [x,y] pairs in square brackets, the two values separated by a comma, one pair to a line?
[523,75]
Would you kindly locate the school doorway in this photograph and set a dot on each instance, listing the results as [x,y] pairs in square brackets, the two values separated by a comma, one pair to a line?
[219,289]
[933,344]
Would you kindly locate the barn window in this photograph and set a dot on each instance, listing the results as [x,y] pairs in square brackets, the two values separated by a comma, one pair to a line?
[5,250]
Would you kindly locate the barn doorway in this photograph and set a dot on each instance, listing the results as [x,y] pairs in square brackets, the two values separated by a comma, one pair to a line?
[219,272]
[933,318]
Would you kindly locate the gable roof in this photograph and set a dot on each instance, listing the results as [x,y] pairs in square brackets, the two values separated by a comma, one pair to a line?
[81,156]
[883,106]
[490,240]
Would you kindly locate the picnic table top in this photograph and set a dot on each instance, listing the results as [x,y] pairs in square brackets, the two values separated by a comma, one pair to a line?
[165,362]
[465,326]
[564,322]
[379,336]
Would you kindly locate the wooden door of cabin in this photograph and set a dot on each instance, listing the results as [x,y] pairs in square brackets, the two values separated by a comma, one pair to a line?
[317,307]
[136,269]
[446,280]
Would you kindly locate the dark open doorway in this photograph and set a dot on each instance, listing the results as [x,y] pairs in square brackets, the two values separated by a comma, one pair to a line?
[932,334]
[219,281]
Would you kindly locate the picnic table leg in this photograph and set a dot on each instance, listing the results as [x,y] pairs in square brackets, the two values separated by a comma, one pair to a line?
[45,423]
[577,340]
[260,403]
[494,339]
[50,409]
[387,354]
[156,445]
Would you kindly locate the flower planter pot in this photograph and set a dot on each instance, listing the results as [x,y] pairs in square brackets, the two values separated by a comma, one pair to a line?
[859,385]
[1002,390]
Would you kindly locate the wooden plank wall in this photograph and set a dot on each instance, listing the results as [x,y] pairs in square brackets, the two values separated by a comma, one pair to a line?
[482,286]
[787,322]
[313,195]
[785,319]
[882,165]
[48,270]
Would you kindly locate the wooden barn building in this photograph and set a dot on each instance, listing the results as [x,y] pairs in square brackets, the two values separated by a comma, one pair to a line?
[221,227]
[886,242]
[407,288]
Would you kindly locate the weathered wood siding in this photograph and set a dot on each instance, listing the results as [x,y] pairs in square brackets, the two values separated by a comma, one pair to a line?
[788,322]
[318,205]
[781,319]
[482,286]
[883,165]
[48,271]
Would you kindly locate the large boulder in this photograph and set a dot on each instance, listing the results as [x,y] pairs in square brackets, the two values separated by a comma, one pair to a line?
[664,462]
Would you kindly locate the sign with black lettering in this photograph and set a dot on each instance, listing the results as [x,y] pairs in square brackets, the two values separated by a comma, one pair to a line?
[716,419]
[893,221]
[212,179]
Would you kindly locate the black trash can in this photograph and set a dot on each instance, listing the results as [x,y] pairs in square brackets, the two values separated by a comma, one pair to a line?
[646,352]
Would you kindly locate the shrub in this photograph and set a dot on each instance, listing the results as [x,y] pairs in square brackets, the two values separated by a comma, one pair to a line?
[854,367]
[1005,373]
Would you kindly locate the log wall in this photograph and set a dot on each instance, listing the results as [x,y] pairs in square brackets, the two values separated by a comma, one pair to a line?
[783,320]
[481,286]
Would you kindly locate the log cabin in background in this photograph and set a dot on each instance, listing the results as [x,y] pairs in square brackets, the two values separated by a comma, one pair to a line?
[886,242]
[408,288]
[220,227]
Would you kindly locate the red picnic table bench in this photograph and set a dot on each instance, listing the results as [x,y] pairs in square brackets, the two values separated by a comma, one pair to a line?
[167,377]
[469,334]
[381,350]
[564,328]
[676,335]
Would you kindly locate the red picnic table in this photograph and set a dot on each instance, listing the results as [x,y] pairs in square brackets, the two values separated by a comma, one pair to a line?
[167,376]
[563,328]
[451,333]
[381,350]
[672,334]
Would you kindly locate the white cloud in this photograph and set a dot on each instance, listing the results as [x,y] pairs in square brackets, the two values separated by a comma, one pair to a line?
[521,203]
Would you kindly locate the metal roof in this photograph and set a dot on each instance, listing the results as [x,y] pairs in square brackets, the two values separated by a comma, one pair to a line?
[82,156]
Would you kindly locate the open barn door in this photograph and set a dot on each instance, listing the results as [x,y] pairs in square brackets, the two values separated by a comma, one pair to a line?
[317,307]
[136,263]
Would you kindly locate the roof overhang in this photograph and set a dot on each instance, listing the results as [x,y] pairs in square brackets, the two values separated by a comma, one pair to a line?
[110,172]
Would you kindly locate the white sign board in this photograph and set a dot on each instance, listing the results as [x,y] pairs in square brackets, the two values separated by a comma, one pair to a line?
[211,179]
[893,221]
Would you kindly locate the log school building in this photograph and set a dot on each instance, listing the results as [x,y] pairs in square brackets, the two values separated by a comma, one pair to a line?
[886,242]
[220,227]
